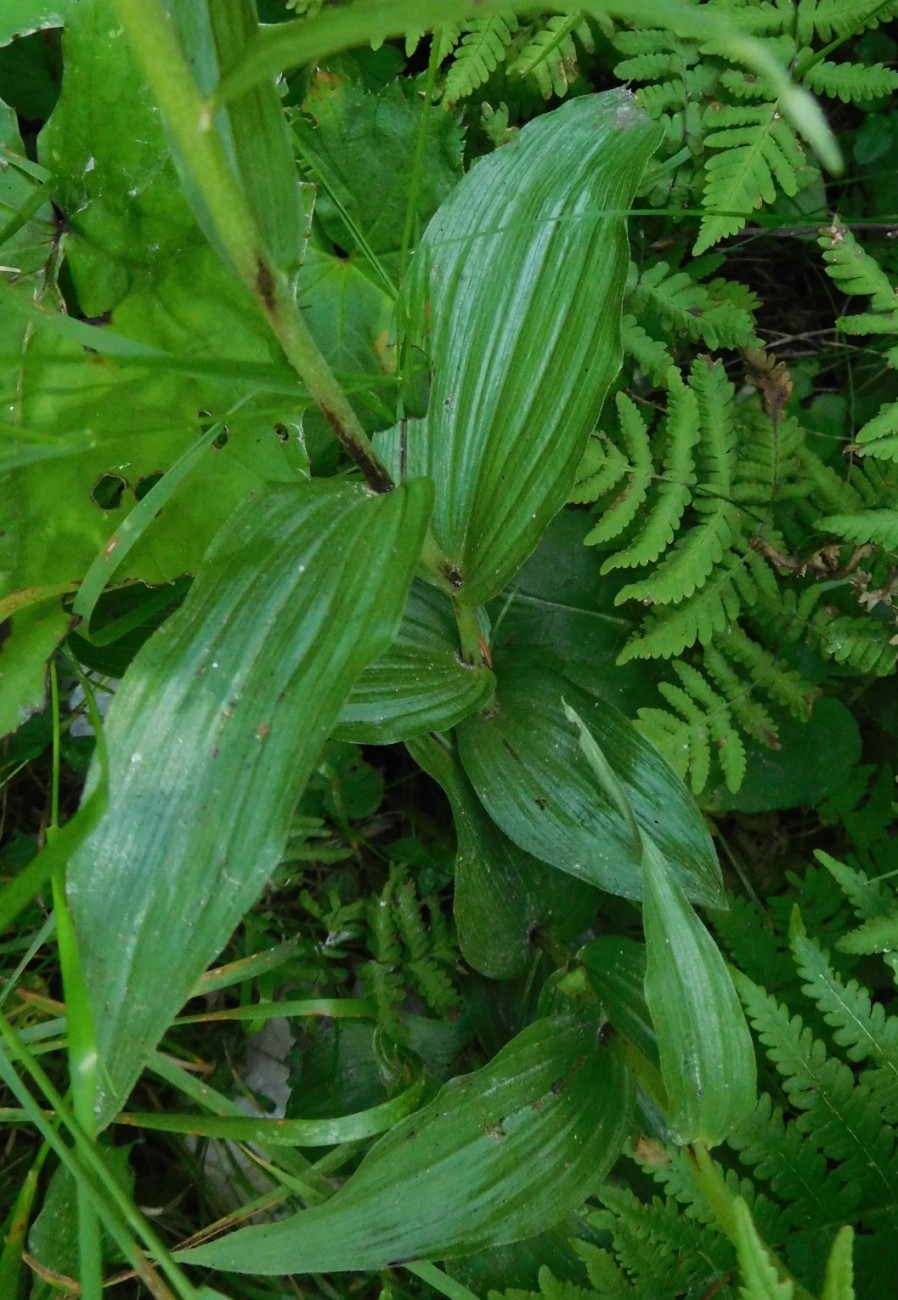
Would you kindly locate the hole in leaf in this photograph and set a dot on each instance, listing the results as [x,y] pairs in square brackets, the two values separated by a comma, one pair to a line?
[222,440]
[282,433]
[146,485]
[108,491]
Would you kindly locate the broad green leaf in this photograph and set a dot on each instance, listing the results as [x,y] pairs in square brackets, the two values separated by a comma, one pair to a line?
[707,1055]
[421,684]
[27,641]
[616,970]
[497,1156]
[362,149]
[53,1238]
[812,760]
[252,126]
[524,759]
[562,605]
[504,898]
[351,317]
[22,17]
[213,735]
[516,290]
[133,248]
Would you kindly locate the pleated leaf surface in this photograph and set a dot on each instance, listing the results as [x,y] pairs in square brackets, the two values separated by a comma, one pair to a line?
[524,760]
[505,900]
[707,1055]
[515,292]
[420,684]
[212,736]
[496,1157]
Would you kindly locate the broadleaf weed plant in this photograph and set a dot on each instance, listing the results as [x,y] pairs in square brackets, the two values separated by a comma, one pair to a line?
[448,594]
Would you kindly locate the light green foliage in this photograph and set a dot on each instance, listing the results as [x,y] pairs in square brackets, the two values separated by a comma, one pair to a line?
[856,272]
[544,52]
[712,495]
[742,152]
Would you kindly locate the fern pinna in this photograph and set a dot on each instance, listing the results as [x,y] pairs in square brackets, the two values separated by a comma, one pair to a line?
[731,147]
[744,542]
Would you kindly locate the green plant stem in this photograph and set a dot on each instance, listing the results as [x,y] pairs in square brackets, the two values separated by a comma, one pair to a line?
[721,1200]
[189,120]
[468,632]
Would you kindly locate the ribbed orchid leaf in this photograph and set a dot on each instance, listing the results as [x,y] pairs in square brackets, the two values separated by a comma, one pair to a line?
[505,900]
[212,736]
[496,1157]
[524,758]
[707,1056]
[421,684]
[515,293]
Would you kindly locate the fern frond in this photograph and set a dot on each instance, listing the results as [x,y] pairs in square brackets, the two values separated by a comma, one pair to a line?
[878,935]
[879,436]
[868,898]
[840,1115]
[851,82]
[604,1273]
[672,496]
[719,313]
[480,53]
[856,271]
[652,357]
[550,54]
[839,18]
[701,617]
[784,685]
[707,726]
[877,527]
[652,64]
[599,472]
[863,644]
[780,1154]
[760,1280]
[623,510]
[669,1252]
[859,1025]
[645,40]
[756,150]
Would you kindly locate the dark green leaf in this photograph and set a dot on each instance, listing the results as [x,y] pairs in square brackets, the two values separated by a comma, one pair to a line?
[616,970]
[524,759]
[213,735]
[561,604]
[421,684]
[504,898]
[812,760]
[27,641]
[497,1156]
[516,290]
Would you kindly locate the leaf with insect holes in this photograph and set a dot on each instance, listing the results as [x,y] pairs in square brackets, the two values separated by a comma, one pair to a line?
[515,293]
[496,1157]
[212,736]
